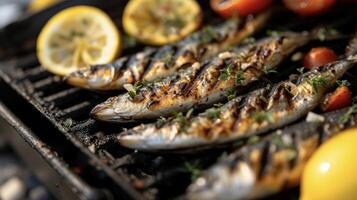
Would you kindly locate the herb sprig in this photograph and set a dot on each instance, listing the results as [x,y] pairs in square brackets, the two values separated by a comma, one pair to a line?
[318,82]
[344,118]
[262,116]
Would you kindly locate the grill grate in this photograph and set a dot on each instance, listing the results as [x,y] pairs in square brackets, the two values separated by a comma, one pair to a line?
[149,176]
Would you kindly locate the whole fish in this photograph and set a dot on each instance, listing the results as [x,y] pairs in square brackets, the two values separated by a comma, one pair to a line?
[155,63]
[257,112]
[273,163]
[202,84]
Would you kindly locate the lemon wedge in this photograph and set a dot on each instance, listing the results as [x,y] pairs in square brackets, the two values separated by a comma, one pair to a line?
[159,22]
[76,38]
[37,5]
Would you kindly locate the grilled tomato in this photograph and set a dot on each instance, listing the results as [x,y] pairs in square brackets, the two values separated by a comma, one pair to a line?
[229,8]
[319,56]
[158,22]
[309,7]
[331,172]
[77,37]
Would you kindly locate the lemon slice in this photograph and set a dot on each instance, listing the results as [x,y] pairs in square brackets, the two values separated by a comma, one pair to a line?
[77,37]
[37,5]
[159,22]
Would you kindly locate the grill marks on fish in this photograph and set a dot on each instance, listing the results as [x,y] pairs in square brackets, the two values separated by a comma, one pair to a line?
[242,117]
[205,83]
[160,62]
[276,161]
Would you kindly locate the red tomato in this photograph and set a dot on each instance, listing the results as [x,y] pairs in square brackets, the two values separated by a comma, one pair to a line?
[309,7]
[229,8]
[318,57]
[340,98]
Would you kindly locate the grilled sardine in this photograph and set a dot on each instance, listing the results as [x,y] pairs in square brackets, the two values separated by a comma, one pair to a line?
[257,112]
[202,84]
[156,63]
[273,163]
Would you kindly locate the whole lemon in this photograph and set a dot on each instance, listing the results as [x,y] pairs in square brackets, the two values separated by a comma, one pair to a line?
[331,173]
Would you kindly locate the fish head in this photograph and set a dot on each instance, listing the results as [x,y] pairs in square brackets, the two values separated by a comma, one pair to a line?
[98,77]
[223,181]
[119,109]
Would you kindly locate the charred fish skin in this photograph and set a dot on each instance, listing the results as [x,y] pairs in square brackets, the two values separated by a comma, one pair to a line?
[271,165]
[155,63]
[202,84]
[244,116]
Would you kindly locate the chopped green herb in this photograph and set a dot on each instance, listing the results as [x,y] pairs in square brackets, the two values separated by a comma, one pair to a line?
[253,140]
[231,94]
[194,169]
[324,33]
[262,116]
[263,98]
[278,141]
[343,83]
[161,121]
[344,118]
[239,77]
[318,82]
[300,70]
[354,100]
[214,113]
[226,73]
[273,33]
[68,123]
[269,71]
[208,34]
[182,119]
[168,60]
[291,154]
[132,89]
[248,40]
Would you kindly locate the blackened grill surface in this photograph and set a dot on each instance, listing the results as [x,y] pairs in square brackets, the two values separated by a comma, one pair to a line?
[141,175]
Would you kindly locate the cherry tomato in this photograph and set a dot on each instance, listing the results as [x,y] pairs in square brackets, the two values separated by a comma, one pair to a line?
[340,98]
[309,7]
[229,8]
[318,57]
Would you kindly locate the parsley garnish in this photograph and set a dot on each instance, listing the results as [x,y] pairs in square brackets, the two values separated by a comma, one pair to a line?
[194,169]
[239,77]
[182,119]
[231,94]
[273,33]
[248,40]
[318,82]
[208,34]
[133,89]
[214,113]
[226,72]
[253,140]
[343,83]
[344,118]
[269,71]
[262,116]
[161,121]
[300,70]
